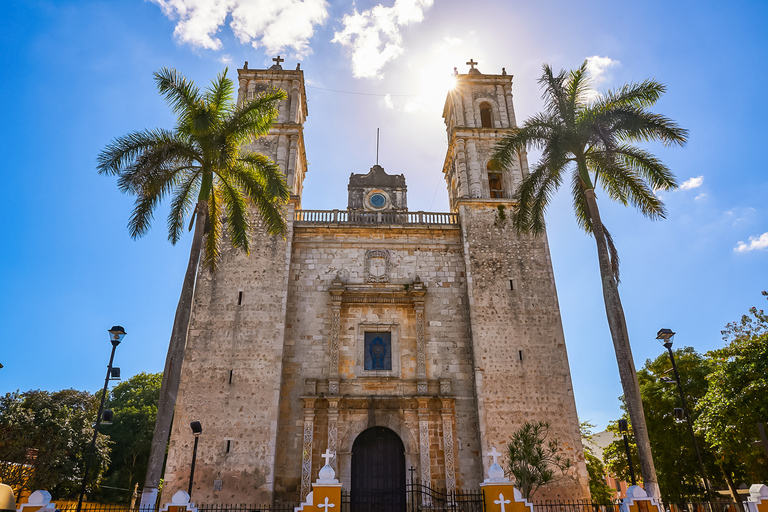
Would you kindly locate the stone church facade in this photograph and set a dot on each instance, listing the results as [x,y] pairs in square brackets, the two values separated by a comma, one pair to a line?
[438,333]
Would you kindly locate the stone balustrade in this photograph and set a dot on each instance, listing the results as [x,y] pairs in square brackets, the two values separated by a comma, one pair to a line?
[369,218]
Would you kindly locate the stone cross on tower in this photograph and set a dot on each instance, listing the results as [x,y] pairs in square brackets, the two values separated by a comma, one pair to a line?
[493,453]
[278,60]
[327,505]
[472,64]
[501,501]
[328,455]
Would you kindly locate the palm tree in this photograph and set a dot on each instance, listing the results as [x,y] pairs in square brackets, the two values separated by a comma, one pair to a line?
[202,166]
[592,140]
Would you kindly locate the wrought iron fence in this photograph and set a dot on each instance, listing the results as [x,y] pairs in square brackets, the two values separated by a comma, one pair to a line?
[575,506]
[413,498]
[70,506]
[213,507]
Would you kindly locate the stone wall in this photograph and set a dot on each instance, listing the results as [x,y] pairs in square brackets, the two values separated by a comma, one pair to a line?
[231,376]
[521,363]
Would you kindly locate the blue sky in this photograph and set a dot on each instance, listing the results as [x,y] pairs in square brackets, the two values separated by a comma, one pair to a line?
[77,73]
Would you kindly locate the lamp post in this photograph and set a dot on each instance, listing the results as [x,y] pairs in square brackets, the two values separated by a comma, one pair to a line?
[116,335]
[623,427]
[197,429]
[665,337]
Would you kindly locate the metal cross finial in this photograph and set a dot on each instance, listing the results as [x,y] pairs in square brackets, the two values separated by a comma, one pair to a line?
[278,60]
[501,501]
[493,453]
[472,64]
[328,455]
[327,505]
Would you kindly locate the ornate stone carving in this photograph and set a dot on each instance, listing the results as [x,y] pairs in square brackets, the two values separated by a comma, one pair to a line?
[333,429]
[310,386]
[422,388]
[376,266]
[450,472]
[421,352]
[335,321]
[306,457]
[426,476]
[333,387]
[445,387]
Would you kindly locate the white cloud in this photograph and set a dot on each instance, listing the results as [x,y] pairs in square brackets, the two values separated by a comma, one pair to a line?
[598,69]
[692,183]
[274,24]
[700,196]
[373,36]
[755,242]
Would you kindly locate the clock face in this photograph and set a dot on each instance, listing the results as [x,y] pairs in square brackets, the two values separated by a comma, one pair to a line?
[377,200]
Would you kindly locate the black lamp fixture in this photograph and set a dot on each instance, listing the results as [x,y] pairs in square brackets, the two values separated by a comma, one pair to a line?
[197,429]
[116,335]
[665,337]
[623,428]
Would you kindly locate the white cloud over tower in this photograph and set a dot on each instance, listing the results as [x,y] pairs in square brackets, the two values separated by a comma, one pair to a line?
[276,25]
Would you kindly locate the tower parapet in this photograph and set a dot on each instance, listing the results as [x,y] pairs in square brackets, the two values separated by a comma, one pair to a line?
[285,142]
[477,113]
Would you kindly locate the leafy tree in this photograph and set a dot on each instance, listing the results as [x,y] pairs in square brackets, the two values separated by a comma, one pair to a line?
[737,397]
[600,491]
[530,463]
[674,455]
[44,438]
[134,404]
[202,165]
[592,140]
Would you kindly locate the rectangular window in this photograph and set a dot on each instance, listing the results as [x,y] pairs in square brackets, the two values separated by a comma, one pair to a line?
[494,184]
[378,350]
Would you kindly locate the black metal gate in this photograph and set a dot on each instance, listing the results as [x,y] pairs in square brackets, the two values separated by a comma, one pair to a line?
[378,472]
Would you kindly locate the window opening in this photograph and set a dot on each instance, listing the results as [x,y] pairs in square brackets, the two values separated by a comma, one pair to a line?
[229,445]
[494,184]
[378,351]
[485,115]
[520,353]
[230,375]
[240,298]
[511,285]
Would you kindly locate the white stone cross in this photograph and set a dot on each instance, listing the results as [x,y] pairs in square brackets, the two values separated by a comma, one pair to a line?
[501,501]
[327,505]
[493,453]
[328,455]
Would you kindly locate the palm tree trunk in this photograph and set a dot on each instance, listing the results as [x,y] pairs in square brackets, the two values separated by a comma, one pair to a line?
[627,372]
[173,360]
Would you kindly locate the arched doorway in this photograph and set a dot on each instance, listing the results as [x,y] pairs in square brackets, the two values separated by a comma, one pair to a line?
[378,472]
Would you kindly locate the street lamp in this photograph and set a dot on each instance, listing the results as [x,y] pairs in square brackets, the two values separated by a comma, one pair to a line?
[665,337]
[623,427]
[116,335]
[197,429]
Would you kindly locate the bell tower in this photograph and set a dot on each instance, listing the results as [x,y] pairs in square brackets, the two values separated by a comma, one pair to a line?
[285,142]
[477,113]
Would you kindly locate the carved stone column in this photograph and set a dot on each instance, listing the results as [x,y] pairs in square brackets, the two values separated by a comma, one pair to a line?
[336,290]
[461,158]
[290,176]
[450,469]
[475,183]
[306,454]
[333,430]
[500,101]
[426,474]
[421,346]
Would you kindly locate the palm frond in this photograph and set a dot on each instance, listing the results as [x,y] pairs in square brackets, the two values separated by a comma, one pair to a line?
[613,254]
[579,200]
[268,174]
[183,200]
[270,206]
[237,213]
[181,94]
[123,151]
[212,235]
[219,94]
[637,95]
[254,118]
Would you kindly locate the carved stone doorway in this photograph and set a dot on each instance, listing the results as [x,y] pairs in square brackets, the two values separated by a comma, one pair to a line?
[378,472]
